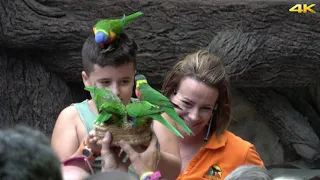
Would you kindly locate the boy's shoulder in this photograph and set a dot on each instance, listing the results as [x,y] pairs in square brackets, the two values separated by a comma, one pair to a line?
[69,112]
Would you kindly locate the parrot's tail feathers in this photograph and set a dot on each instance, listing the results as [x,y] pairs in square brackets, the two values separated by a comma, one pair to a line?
[159,118]
[131,17]
[173,114]
[90,89]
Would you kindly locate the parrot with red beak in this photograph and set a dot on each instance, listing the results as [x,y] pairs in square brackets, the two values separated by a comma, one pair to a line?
[145,92]
[107,30]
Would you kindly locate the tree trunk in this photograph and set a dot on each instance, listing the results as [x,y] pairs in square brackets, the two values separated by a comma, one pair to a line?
[29,93]
[270,46]
[293,129]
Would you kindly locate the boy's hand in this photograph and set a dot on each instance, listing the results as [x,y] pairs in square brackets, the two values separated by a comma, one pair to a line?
[92,142]
[141,162]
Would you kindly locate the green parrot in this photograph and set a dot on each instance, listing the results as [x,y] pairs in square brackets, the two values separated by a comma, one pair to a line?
[142,111]
[145,92]
[107,30]
[109,106]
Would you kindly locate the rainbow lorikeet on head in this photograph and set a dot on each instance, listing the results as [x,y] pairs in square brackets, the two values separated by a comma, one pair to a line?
[145,92]
[142,111]
[109,106]
[107,30]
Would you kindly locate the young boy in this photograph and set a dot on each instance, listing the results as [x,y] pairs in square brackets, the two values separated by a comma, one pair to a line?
[115,70]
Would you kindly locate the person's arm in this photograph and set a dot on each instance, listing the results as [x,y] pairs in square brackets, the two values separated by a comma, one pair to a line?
[170,160]
[64,139]
[253,157]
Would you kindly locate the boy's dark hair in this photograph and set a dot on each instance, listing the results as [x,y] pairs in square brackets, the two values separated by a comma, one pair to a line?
[124,52]
[26,154]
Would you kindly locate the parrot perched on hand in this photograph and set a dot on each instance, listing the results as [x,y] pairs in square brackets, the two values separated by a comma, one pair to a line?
[107,30]
[109,106]
[143,110]
[145,92]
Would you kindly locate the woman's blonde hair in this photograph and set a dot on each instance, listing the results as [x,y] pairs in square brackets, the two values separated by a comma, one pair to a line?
[206,67]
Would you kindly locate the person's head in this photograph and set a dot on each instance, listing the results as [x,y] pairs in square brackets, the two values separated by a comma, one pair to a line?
[25,154]
[249,172]
[113,69]
[195,86]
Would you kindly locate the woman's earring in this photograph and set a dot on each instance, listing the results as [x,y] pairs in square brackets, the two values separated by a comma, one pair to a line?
[209,129]
[210,122]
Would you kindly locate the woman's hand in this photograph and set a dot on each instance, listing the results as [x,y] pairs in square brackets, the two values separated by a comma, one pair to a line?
[110,159]
[145,161]
[141,162]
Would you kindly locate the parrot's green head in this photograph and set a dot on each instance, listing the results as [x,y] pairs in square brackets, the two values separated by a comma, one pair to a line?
[140,79]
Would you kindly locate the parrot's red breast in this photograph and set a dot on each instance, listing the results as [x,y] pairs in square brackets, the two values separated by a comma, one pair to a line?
[138,94]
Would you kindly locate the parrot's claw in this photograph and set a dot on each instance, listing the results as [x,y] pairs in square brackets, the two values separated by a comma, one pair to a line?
[132,124]
[110,48]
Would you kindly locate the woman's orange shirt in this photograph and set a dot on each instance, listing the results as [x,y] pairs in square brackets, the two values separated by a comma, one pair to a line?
[217,159]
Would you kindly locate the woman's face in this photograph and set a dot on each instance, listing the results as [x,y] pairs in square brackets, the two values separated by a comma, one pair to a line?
[194,102]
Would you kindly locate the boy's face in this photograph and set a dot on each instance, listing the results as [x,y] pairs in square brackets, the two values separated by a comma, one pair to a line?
[120,80]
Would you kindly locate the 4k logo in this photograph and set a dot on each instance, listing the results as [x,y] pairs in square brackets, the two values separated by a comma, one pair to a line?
[303,8]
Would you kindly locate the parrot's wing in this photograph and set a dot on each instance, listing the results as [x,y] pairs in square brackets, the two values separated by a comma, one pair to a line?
[104,24]
[111,110]
[153,96]
[113,107]
[107,104]
[99,96]
[102,95]
[102,118]
[159,118]
[142,108]
[96,93]
[117,27]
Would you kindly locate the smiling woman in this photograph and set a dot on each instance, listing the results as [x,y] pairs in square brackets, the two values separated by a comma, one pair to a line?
[195,102]
[198,87]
